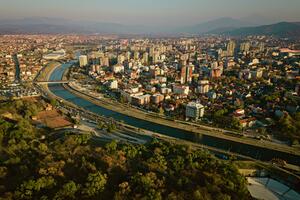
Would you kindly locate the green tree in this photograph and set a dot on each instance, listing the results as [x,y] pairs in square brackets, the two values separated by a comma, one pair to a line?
[68,191]
[95,184]
[30,188]
[100,125]
[112,146]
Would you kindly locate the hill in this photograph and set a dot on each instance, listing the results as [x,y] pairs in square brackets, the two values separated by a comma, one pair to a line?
[282,29]
[36,164]
[54,25]
[225,23]
[64,26]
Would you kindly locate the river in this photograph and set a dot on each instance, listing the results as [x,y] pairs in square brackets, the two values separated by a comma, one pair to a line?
[17,66]
[248,150]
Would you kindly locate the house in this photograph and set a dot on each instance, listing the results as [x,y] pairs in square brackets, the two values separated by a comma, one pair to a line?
[248,122]
[239,113]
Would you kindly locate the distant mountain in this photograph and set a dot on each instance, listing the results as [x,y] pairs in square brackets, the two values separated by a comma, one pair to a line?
[36,21]
[282,29]
[56,26]
[258,19]
[225,23]
[37,29]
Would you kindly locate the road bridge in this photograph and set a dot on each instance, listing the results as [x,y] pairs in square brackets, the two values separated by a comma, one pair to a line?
[53,82]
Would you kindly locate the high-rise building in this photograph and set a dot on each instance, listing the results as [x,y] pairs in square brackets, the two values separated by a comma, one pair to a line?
[245,47]
[104,61]
[220,53]
[261,47]
[136,55]
[83,60]
[216,72]
[231,48]
[183,75]
[194,110]
[156,58]
[186,74]
[121,59]
[151,51]
[189,73]
[145,58]
[128,55]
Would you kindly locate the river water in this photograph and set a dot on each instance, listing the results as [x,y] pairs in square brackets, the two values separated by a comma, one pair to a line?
[247,150]
[17,66]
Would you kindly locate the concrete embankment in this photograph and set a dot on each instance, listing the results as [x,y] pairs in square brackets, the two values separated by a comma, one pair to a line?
[132,112]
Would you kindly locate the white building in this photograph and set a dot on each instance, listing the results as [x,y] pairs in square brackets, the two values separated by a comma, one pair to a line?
[55,55]
[181,89]
[203,87]
[83,60]
[165,90]
[121,59]
[118,69]
[113,84]
[194,110]
[255,61]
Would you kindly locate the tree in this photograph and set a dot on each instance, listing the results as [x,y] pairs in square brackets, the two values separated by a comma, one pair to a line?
[161,110]
[43,148]
[95,184]
[68,191]
[288,127]
[3,172]
[73,167]
[177,163]
[82,138]
[53,102]
[29,110]
[235,124]
[111,127]
[100,125]
[112,146]
[147,185]
[29,188]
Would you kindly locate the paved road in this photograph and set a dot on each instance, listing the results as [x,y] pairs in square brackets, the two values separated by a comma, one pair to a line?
[201,130]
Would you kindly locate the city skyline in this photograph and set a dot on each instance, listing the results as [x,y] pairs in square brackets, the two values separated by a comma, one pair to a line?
[155,13]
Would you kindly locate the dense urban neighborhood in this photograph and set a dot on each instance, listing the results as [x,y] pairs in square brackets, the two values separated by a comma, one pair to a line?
[168,104]
[246,84]
[149,100]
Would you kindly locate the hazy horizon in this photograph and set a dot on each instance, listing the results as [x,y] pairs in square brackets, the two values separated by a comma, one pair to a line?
[155,12]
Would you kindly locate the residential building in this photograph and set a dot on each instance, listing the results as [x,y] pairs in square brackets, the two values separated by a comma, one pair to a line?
[194,111]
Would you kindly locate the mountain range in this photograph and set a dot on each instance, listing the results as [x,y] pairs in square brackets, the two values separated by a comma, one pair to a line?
[281,29]
[226,26]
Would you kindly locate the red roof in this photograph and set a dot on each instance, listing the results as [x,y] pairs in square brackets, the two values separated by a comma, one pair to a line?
[287,50]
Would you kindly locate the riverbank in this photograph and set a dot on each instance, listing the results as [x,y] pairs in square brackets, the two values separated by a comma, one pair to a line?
[17,69]
[45,72]
[132,112]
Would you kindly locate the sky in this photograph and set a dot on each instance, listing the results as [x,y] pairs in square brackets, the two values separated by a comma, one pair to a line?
[152,12]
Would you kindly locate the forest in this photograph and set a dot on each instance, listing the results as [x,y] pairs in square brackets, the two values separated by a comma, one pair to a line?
[37,164]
